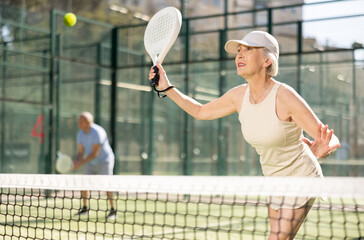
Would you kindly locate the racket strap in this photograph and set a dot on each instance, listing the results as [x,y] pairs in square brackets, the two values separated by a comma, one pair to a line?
[162,91]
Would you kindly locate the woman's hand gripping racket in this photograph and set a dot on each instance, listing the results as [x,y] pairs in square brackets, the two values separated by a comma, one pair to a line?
[160,34]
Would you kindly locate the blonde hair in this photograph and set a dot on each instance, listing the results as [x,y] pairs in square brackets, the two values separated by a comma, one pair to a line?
[272,70]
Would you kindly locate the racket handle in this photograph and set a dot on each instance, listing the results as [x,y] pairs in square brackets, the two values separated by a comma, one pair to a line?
[155,80]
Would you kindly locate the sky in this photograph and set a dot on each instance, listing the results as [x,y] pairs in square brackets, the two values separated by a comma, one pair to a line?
[341,32]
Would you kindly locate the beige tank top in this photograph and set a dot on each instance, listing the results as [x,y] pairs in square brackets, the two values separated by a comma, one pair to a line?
[278,143]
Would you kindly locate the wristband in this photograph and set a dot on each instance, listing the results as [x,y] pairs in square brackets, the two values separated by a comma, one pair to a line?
[162,91]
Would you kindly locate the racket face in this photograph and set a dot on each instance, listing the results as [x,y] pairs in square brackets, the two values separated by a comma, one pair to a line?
[161,32]
[64,164]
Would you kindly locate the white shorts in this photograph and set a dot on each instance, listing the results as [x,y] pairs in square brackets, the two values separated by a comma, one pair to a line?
[100,169]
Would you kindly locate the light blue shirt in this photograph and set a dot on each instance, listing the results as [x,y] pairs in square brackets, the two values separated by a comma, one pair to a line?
[96,135]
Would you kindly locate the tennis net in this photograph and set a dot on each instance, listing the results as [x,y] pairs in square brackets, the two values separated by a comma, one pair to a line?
[174,207]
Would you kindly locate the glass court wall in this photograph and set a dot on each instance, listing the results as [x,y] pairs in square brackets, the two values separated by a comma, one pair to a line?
[51,74]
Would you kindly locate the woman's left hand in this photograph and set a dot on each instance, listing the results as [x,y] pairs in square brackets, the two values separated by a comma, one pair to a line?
[321,146]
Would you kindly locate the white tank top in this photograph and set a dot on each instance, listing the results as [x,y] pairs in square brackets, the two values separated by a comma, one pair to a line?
[278,143]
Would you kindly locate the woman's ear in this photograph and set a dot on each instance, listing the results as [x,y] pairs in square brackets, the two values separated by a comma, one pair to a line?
[267,62]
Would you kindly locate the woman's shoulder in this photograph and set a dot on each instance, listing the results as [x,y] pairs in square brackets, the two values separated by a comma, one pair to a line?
[288,97]
[238,92]
[236,95]
[285,91]
[240,89]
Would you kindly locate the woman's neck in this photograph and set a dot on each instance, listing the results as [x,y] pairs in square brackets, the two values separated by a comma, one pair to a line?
[259,88]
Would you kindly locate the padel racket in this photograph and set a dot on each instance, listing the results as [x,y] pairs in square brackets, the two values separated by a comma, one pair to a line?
[160,34]
[64,163]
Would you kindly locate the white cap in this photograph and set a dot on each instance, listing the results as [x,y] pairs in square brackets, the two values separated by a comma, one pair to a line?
[254,39]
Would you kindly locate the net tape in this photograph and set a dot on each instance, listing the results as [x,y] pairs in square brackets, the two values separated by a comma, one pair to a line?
[172,207]
[263,186]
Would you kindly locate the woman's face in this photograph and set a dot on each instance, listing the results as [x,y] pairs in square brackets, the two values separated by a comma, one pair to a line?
[249,61]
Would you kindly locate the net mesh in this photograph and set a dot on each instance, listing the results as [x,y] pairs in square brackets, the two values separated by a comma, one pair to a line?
[166,207]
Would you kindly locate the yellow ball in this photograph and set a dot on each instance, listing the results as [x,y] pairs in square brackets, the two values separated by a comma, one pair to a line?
[69,19]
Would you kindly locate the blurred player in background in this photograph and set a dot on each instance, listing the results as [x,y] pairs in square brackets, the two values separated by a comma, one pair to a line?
[94,151]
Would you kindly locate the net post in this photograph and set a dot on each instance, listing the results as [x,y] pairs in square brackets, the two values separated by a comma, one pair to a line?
[186,152]
[270,20]
[299,55]
[3,112]
[221,161]
[113,95]
[98,94]
[49,159]
[356,109]
[58,92]
[149,160]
